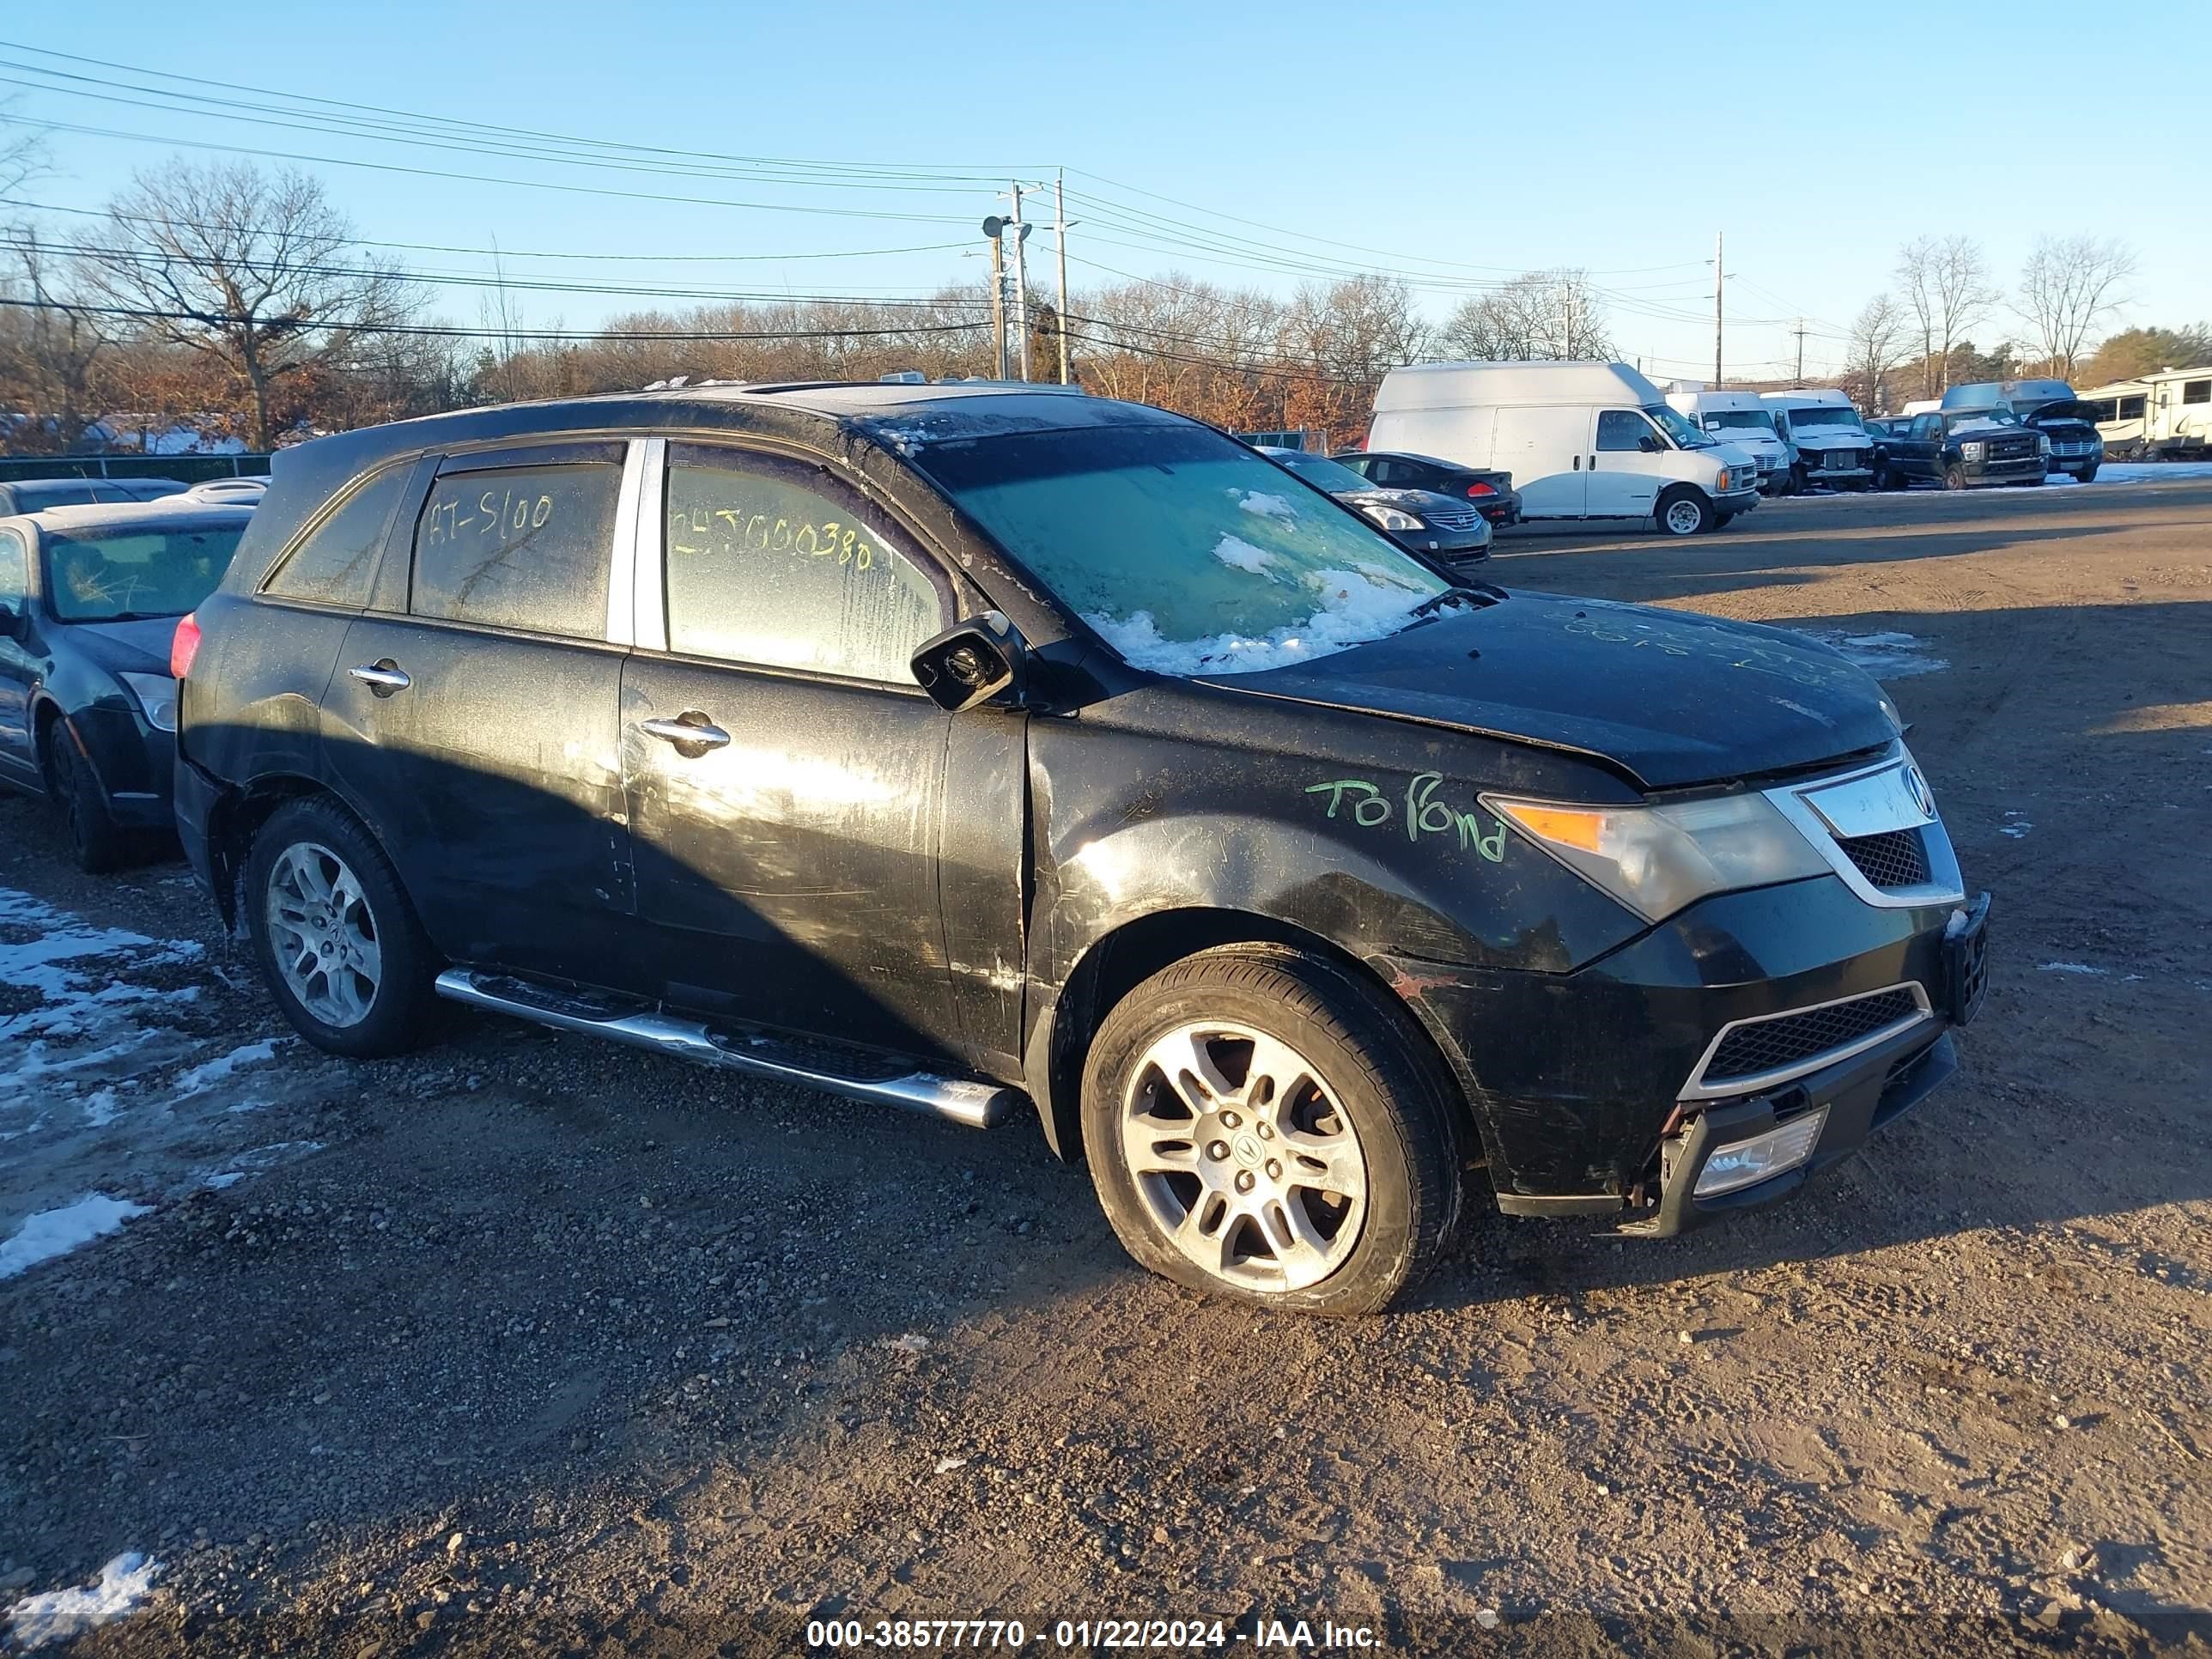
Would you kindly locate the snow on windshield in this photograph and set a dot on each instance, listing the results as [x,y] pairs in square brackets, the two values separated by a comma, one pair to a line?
[1983,426]
[1182,548]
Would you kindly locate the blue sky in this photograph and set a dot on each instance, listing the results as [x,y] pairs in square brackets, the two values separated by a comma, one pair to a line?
[1456,144]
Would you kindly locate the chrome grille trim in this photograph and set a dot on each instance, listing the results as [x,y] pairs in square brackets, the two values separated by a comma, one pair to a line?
[1754,1083]
[1944,885]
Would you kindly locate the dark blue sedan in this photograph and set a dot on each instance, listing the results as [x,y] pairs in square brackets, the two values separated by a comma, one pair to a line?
[89,601]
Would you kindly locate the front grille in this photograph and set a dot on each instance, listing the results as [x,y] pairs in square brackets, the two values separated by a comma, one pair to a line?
[1895,858]
[1788,1040]
[2007,449]
[1453,517]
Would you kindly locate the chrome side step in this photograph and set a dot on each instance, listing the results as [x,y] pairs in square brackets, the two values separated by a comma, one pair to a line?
[978,1105]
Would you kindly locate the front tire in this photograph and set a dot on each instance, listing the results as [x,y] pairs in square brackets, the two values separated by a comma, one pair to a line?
[1263,1126]
[2087,475]
[338,943]
[1683,512]
[1955,477]
[95,842]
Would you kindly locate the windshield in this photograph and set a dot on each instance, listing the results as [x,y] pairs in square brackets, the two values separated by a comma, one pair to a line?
[1817,414]
[1757,420]
[1320,473]
[1680,427]
[1183,549]
[96,575]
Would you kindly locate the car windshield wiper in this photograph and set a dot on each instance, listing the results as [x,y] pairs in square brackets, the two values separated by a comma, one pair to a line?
[1475,598]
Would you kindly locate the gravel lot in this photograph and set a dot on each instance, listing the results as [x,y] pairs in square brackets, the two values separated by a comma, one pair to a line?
[529,1343]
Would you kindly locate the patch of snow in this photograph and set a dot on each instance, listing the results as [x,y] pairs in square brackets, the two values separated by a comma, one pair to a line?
[100,1107]
[1354,610]
[225,1178]
[123,1585]
[1887,656]
[1243,556]
[2075,968]
[2015,831]
[2059,478]
[1983,428]
[200,1079]
[2151,471]
[51,1233]
[1267,506]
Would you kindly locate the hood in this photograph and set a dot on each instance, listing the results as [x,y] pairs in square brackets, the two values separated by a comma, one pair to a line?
[2064,412]
[1426,503]
[1812,436]
[1668,697]
[125,647]
[1758,443]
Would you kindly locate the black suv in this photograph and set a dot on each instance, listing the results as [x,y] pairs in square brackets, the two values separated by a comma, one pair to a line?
[985,750]
[1961,449]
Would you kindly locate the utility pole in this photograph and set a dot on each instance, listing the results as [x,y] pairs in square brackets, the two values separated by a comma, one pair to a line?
[992,227]
[1059,240]
[1719,281]
[1021,318]
[1799,331]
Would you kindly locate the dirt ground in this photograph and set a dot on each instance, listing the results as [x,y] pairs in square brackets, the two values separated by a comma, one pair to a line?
[528,1344]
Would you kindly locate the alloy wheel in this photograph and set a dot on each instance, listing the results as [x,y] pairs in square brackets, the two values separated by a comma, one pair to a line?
[322,934]
[1244,1157]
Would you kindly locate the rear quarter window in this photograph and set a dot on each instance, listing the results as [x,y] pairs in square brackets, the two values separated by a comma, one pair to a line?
[524,547]
[335,562]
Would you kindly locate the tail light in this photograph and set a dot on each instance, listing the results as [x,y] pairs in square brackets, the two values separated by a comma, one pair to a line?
[183,646]
[1479,488]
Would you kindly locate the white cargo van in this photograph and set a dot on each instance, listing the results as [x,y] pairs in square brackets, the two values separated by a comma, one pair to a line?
[1829,444]
[1581,439]
[1742,419]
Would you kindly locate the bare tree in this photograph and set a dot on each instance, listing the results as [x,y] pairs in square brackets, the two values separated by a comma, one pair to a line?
[1946,288]
[2069,284]
[250,270]
[1876,345]
[1539,313]
[49,350]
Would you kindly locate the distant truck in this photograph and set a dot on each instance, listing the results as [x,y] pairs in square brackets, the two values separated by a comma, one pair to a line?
[2166,417]
[1581,439]
[1741,418]
[2047,407]
[1828,444]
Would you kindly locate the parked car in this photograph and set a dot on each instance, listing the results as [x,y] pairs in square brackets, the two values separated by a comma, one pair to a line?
[1493,492]
[36,495]
[1828,445]
[1582,441]
[984,749]
[1444,526]
[2049,407]
[1743,419]
[1963,449]
[245,492]
[89,598]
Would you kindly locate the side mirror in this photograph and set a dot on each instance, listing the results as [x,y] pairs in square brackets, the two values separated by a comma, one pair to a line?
[1650,445]
[973,662]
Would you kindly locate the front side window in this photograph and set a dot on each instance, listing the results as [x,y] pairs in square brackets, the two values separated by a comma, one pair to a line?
[1622,429]
[334,564]
[1180,548]
[14,570]
[96,575]
[769,563]
[524,547]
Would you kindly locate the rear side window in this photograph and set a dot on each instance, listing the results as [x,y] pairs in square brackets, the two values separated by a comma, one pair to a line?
[521,547]
[770,563]
[2197,392]
[335,563]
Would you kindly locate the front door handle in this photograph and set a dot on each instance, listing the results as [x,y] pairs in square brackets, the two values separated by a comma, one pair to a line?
[692,732]
[382,678]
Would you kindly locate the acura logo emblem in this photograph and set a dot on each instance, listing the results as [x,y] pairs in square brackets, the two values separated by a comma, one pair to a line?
[1922,796]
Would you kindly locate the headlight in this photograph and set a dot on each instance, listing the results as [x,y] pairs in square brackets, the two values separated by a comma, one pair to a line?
[157,695]
[2042,444]
[1391,518]
[1655,859]
[1969,451]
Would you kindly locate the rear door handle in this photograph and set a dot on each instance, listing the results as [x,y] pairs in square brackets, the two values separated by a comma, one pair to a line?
[382,678]
[692,731]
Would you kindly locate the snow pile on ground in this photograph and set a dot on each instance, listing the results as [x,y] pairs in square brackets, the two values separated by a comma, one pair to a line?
[1887,656]
[2151,471]
[55,1232]
[124,1583]
[201,1078]
[1239,554]
[1353,610]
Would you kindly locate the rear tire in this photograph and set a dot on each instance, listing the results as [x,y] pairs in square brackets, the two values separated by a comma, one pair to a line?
[1683,512]
[1261,1126]
[98,846]
[337,941]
